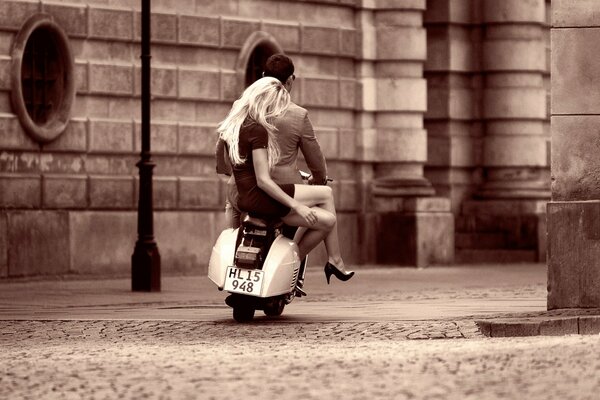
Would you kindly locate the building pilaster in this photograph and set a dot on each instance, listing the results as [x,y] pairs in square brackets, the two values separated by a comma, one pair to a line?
[400,211]
[514,101]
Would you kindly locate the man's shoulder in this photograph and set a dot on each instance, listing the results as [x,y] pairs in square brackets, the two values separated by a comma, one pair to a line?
[294,110]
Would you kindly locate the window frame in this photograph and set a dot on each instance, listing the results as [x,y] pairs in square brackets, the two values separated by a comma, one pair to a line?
[255,40]
[59,119]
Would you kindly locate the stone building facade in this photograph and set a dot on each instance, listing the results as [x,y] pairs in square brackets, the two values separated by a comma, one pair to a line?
[432,115]
[574,212]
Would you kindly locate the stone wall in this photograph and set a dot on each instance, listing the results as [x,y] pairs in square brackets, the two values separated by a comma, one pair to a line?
[488,123]
[488,71]
[420,107]
[574,213]
[455,89]
[68,206]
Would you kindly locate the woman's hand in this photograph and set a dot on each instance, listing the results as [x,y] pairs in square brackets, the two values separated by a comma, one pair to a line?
[309,215]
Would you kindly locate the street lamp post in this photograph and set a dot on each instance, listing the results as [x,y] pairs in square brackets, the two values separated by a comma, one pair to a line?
[145,261]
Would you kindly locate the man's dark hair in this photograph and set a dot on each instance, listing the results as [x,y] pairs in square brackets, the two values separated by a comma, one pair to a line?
[279,66]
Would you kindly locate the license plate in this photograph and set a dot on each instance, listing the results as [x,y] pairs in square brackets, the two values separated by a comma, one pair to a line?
[244,281]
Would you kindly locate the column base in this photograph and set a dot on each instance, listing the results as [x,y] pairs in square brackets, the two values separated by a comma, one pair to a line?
[419,235]
[400,186]
[573,254]
[501,231]
[515,183]
[513,194]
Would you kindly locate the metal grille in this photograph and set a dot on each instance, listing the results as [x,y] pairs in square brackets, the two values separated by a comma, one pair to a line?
[294,276]
[42,76]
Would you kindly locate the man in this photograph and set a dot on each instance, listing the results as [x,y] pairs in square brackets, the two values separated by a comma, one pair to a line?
[294,132]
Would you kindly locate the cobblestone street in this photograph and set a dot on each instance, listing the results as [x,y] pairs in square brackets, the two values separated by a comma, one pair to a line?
[388,334]
[267,360]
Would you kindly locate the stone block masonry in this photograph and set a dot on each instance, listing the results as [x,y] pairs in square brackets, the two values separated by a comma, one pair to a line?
[20,191]
[14,12]
[165,192]
[3,245]
[108,192]
[64,191]
[85,182]
[38,243]
[12,135]
[574,213]
[73,19]
[112,24]
[114,232]
[412,100]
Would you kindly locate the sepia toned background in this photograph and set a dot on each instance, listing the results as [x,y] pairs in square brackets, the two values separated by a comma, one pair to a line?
[433,116]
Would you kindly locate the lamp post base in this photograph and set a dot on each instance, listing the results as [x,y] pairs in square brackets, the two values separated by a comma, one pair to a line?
[145,267]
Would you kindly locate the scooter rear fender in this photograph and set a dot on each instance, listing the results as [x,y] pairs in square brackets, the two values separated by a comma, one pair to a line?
[222,256]
[281,267]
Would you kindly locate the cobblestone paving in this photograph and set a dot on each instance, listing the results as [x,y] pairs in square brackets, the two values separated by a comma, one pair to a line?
[22,333]
[273,360]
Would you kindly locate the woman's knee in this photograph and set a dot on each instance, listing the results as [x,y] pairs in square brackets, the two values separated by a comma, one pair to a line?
[328,220]
[326,192]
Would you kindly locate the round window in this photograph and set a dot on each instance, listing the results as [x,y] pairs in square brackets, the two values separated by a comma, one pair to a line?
[43,86]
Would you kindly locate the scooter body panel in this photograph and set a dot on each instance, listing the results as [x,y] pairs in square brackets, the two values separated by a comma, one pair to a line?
[281,267]
[222,256]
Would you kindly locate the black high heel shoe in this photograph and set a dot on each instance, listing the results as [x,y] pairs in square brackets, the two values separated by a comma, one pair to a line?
[331,269]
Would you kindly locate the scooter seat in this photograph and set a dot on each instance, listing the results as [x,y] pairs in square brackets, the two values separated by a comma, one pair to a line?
[262,223]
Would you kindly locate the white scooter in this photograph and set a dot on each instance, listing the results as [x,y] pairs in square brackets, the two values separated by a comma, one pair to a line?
[258,265]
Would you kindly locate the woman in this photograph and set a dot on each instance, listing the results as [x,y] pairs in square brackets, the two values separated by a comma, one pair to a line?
[249,134]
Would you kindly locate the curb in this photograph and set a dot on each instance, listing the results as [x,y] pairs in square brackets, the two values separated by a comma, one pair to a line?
[540,326]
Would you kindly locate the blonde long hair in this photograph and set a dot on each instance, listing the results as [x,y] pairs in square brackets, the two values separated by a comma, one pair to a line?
[262,101]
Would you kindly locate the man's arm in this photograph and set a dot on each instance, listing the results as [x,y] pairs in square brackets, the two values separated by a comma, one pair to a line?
[312,152]
[223,163]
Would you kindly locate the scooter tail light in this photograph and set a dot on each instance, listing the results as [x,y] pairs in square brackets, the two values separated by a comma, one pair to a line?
[247,256]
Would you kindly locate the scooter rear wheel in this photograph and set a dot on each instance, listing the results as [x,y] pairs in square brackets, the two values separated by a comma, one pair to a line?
[275,308]
[243,314]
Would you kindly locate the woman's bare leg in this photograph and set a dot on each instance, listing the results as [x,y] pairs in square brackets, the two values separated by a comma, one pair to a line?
[300,231]
[314,234]
[332,243]
[322,196]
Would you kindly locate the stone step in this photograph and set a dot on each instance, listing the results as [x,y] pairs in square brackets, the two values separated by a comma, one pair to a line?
[489,256]
[480,240]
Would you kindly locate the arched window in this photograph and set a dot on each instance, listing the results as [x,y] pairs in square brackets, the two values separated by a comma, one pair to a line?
[256,63]
[43,86]
[251,62]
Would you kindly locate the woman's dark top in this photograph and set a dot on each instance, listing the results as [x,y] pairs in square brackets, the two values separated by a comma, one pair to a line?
[252,198]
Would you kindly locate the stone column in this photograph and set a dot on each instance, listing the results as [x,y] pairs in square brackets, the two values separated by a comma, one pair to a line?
[400,215]
[514,103]
[574,213]
[510,202]
[453,118]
